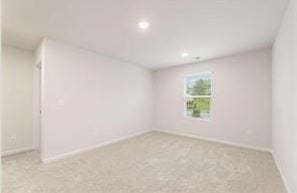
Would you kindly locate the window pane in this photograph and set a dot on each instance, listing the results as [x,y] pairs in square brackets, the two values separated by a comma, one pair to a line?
[198,85]
[198,107]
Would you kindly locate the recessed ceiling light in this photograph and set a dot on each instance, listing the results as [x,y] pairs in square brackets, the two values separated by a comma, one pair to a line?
[143,25]
[185,54]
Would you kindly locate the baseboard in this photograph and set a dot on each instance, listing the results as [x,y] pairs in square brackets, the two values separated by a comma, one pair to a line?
[16,151]
[215,140]
[281,173]
[92,147]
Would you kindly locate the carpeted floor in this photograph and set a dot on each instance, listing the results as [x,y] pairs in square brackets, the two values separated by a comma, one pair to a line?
[151,163]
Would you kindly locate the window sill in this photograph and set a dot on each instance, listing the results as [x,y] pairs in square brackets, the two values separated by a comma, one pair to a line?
[198,119]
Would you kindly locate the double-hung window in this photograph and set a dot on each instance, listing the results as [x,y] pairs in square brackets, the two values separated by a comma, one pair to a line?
[197,95]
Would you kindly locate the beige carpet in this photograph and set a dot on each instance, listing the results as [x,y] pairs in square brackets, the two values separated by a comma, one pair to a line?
[152,163]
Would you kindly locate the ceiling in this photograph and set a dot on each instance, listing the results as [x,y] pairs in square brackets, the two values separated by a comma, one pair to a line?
[204,28]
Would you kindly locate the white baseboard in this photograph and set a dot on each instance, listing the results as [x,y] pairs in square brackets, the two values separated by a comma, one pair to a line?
[281,173]
[237,145]
[16,151]
[89,148]
[215,140]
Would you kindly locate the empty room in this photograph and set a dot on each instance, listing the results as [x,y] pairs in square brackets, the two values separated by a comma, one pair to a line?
[149,96]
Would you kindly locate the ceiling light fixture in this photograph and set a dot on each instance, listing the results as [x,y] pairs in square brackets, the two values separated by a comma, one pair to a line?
[185,54]
[143,25]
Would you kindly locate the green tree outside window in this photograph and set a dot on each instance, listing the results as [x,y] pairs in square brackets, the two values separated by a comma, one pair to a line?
[198,95]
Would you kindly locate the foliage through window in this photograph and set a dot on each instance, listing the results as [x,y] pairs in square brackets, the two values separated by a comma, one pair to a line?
[198,95]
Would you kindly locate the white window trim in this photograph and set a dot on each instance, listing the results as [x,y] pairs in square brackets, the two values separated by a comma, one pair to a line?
[186,96]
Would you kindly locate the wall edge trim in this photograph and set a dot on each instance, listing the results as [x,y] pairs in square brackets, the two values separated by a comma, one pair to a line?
[17,151]
[277,163]
[215,140]
[91,147]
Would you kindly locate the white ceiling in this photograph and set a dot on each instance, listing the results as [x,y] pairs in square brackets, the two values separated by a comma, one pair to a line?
[205,28]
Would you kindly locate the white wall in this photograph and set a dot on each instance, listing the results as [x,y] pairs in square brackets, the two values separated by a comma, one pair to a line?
[91,99]
[284,84]
[18,131]
[241,110]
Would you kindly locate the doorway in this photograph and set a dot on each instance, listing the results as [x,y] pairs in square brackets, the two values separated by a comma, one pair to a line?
[18,101]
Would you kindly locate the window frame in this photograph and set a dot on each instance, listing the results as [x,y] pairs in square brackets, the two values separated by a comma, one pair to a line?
[186,96]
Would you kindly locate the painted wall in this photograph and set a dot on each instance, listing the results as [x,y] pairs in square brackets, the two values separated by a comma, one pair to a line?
[284,108]
[18,131]
[91,99]
[241,110]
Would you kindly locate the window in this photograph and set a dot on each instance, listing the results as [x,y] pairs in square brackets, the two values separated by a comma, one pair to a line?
[197,94]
